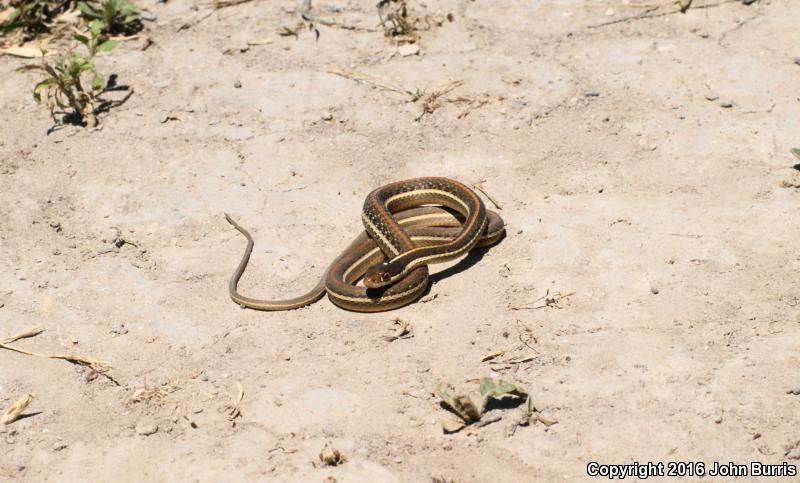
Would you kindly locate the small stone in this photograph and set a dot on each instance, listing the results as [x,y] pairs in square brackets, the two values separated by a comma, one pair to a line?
[146,427]
[408,49]
[610,12]
[452,425]
[712,96]
[58,446]
[591,94]
[718,419]
[119,330]
[327,116]
[654,290]
[726,104]
[797,60]
[793,454]
[237,84]
[794,391]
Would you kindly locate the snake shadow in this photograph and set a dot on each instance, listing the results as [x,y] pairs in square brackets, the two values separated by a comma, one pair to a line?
[475,255]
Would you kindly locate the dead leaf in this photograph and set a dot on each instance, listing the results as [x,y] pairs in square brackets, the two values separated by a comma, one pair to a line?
[452,425]
[403,331]
[25,51]
[32,332]
[330,456]
[498,389]
[15,410]
[232,409]
[462,405]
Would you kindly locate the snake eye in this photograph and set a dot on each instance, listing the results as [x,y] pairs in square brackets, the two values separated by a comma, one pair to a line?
[386,277]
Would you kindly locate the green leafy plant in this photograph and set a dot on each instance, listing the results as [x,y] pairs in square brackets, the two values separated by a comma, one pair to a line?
[115,16]
[65,86]
[32,16]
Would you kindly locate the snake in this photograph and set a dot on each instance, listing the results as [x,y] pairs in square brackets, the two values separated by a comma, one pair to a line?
[403,234]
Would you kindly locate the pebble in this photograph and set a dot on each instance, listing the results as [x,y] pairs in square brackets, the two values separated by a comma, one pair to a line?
[797,60]
[59,446]
[408,49]
[794,391]
[793,454]
[654,290]
[146,427]
[712,96]
[237,84]
[591,94]
[718,419]
[327,116]
[726,104]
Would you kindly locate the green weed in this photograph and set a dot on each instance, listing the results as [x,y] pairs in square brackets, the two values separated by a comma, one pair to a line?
[66,85]
[116,17]
[33,16]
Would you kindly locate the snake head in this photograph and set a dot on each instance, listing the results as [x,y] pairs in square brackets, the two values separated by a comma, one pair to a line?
[379,275]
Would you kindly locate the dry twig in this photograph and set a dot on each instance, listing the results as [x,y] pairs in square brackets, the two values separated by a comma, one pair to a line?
[652,12]
[548,301]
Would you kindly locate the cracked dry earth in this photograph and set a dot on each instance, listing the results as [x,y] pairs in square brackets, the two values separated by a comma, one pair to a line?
[671,220]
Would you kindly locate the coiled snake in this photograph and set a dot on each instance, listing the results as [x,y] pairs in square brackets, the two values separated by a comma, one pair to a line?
[403,234]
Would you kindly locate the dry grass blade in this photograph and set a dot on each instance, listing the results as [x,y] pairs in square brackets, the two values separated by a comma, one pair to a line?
[429,100]
[652,12]
[98,366]
[227,3]
[32,332]
[492,355]
[305,14]
[472,103]
[15,410]
[371,80]
[479,186]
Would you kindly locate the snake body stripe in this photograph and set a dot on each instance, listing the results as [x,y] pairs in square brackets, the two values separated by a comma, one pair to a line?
[383,227]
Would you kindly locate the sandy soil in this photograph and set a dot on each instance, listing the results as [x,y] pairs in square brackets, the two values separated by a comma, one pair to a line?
[672,221]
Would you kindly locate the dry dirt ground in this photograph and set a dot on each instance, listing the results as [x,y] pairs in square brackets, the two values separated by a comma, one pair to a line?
[668,222]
